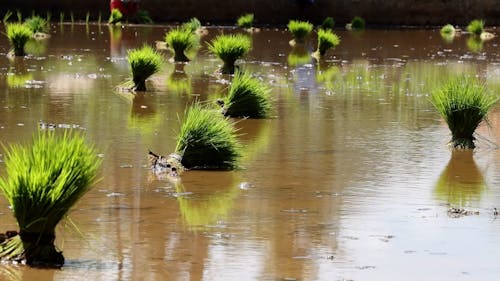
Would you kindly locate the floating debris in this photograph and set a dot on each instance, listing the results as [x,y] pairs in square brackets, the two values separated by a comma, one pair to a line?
[459,212]
[170,165]
[52,126]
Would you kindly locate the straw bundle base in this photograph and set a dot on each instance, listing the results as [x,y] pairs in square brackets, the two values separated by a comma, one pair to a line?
[31,249]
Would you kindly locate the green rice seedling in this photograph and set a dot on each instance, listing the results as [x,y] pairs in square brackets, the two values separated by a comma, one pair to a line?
[144,62]
[180,40]
[19,16]
[248,97]
[476,27]
[115,17]
[464,104]
[229,48]
[72,17]
[328,23]
[448,29]
[207,140]
[245,21]
[299,29]
[99,18]
[37,24]
[358,23]
[7,16]
[18,35]
[61,17]
[192,25]
[87,18]
[49,17]
[143,17]
[42,183]
[326,40]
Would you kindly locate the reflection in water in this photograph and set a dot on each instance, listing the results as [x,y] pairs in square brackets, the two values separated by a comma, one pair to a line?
[144,115]
[36,47]
[202,206]
[461,183]
[18,74]
[474,44]
[179,82]
[254,135]
[299,55]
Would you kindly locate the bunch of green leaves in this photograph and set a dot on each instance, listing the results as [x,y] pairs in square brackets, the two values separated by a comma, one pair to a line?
[37,24]
[207,140]
[115,17]
[18,35]
[476,27]
[463,103]
[180,40]
[248,97]
[44,180]
[326,40]
[144,62]
[192,25]
[245,21]
[358,23]
[229,48]
[299,29]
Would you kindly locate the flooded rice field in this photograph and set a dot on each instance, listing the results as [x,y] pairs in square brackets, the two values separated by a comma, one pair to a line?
[351,179]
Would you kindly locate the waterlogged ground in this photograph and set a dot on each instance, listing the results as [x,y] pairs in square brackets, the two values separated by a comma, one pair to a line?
[350,180]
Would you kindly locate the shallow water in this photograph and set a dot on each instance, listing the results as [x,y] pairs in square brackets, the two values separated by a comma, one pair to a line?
[350,180]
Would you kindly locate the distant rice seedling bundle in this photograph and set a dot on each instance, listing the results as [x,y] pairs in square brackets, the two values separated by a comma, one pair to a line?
[248,97]
[326,40]
[193,25]
[180,40]
[328,23]
[144,62]
[43,182]
[476,27]
[358,23]
[448,30]
[245,21]
[299,29]
[37,24]
[464,104]
[115,17]
[207,140]
[229,48]
[18,35]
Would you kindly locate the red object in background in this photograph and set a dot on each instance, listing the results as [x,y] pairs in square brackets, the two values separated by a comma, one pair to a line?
[127,8]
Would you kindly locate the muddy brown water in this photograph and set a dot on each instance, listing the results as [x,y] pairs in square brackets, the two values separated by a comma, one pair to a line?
[350,180]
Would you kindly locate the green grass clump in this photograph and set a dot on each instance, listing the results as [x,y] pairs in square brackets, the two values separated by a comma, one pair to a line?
[207,140]
[43,182]
[37,24]
[180,40]
[144,62]
[476,27]
[326,40]
[245,21]
[18,35]
[328,23]
[192,25]
[448,30]
[115,17]
[463,103]
[229,48]
[299,29]
[248,97]
[358,23]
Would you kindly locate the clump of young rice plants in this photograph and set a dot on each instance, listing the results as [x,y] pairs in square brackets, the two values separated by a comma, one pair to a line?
[248,97]
[143,62]
[115,17]
[180,40]
[18,34]
[463,103]
[476,27]
[42,183]
[207,140]
[448,29]
[357,23]
[143,17]
[229,48]
[328,23]
[299,30]
[245,21]
[37,24]
[326,40]
[192,25]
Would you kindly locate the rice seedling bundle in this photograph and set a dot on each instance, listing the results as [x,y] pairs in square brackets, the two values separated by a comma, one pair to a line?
[245,21]
[476,27]
[463,103]
[299,29]
[115,17]
[37,24]
[328,23]
[326,40]
[144,62]
[358,23]
[248,97]
[229,48]
[207,140]
[43,182]
[180,40]
[18,34]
